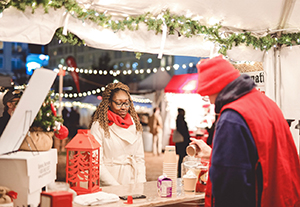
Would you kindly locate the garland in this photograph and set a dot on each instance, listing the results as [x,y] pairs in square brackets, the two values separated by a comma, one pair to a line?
[177,25]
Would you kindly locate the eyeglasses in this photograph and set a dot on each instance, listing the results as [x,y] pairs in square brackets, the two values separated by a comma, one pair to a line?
[119,105]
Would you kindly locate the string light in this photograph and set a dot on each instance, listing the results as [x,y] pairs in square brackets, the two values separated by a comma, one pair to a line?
[76,103]
[245,62]
[95,91]
[176,66]
[93,107]
[141,100]
[124,72]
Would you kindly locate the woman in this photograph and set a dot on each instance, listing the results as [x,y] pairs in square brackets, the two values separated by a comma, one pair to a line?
[116,127]
[182,128]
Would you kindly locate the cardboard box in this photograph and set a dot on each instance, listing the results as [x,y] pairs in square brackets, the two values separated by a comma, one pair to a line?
[27,173]
[164,186]
[56,199]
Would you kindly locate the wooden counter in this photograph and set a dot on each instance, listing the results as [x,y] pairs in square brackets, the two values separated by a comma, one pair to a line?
[152,198]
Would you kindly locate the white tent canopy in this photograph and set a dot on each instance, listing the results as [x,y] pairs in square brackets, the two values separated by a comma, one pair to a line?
[259,17]
[276,18]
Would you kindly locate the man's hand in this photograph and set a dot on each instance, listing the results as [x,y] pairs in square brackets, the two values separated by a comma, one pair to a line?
[205,150]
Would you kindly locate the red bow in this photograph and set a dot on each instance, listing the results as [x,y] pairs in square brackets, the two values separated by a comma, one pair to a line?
[12,194]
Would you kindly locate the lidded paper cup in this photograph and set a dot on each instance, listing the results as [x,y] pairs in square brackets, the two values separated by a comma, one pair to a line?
[170,154]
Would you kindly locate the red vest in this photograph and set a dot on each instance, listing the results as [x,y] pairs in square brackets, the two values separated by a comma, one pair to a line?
[276,149]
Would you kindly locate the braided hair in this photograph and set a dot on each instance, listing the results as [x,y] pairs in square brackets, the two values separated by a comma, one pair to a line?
[101,112]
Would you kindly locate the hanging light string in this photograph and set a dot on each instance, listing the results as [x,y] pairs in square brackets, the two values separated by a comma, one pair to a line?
[93,107]
[98,91]
[141,100]
[140,71]
[76,103]
[81,94]
[125,71]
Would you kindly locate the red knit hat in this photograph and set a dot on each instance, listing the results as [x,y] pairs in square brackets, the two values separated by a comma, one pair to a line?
[214,75]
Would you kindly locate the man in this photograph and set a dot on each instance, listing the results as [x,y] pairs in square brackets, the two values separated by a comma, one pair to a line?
[74,118]
[254,161]
[156,126]
[10,100]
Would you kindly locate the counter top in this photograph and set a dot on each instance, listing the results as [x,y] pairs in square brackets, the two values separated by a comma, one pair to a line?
[152,198]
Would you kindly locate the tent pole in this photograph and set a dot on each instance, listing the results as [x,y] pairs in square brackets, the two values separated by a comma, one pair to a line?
[60,90]
[277,81]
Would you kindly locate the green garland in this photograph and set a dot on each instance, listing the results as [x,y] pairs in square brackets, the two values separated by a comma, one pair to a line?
[177,25]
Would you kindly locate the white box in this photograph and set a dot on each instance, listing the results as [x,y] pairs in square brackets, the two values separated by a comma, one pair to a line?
[26,110]
[27,173]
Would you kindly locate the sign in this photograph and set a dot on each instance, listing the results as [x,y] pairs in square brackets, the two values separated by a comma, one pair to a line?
[259,79]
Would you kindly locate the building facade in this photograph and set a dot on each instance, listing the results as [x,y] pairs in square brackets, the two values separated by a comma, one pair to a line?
[97,59]
[12,56]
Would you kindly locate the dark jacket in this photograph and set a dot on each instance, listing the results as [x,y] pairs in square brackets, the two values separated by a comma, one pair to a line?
[182,128]
[3,121]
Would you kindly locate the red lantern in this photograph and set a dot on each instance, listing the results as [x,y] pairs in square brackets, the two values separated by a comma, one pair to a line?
[83,163]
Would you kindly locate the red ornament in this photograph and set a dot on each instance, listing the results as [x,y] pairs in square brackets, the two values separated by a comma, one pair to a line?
[62,133]
[53,109]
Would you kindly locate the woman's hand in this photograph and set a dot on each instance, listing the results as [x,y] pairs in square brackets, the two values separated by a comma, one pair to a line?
[205,150]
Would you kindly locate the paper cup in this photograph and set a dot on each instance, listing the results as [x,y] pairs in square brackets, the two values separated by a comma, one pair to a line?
[192,150]
[170,154]
[189,184]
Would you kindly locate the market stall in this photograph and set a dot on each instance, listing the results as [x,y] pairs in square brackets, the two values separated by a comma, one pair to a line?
[265,31]
[180,92]
[199,29]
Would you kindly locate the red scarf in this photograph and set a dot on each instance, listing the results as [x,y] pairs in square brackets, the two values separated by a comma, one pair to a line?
[114,118]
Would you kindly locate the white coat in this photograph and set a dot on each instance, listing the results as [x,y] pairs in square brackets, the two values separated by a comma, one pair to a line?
[121,155]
